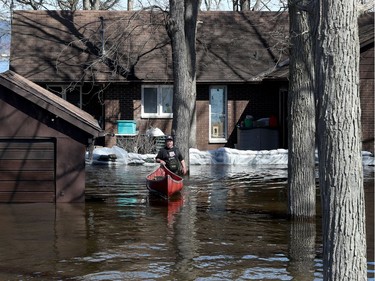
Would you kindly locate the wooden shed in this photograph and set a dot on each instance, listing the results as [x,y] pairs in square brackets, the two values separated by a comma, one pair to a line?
[43,142]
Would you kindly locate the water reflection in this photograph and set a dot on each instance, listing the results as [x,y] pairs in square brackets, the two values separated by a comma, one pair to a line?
[34,238]
[228,223]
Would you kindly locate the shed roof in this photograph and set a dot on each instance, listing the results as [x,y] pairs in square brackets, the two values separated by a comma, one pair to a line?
[50,102]
[61,46]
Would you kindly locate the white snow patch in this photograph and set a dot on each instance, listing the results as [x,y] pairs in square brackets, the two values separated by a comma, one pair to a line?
[221,156]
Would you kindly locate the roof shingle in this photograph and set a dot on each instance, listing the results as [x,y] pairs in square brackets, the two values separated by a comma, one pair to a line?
[68,46]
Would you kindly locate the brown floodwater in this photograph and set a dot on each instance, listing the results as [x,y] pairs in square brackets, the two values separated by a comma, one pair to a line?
[228,223]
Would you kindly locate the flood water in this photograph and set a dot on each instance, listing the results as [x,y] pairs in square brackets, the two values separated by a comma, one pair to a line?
[228,223]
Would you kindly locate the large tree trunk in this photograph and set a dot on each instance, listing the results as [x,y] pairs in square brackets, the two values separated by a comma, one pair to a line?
[95,5]
[301,117]
[86,5]
[130,5]
[302,250]
[245,5]
[182,31]
[339,142]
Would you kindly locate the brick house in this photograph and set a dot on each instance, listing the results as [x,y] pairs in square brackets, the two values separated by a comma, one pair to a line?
[117,66]
[367,75]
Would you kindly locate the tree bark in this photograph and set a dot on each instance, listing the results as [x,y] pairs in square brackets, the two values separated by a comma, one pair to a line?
[245,5]
[182,31]
[301,117]
[130,5]
[339,136]
[86,4]
[301,250]
[95,5]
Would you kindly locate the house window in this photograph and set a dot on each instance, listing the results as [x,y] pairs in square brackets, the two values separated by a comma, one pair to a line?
[157,101]
[72,95]
[218,114]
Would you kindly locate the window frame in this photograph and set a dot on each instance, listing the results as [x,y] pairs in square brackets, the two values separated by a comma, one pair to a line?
[159,113]
[225,129]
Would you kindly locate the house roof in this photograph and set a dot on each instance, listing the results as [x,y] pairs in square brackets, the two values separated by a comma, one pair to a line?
[103,46]
[366,39]
[50,102]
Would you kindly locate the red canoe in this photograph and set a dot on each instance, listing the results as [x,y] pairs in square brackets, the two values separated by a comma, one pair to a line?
[164,182]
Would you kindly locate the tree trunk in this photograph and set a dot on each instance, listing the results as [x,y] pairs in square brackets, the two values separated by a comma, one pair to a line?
[245,5]
[339,136]
[86,5]
[302,250]
[182,31]
[130,5]
[301,117]
[95,5]
[257,5]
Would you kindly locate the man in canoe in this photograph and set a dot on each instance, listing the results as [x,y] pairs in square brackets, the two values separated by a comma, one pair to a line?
[171,157]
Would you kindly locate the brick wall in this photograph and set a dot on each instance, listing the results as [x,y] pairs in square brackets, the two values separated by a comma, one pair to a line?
[118,105]
[258,101]
[123,102]
[367,98]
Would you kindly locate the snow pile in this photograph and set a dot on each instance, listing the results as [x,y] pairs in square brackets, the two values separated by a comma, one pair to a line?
[102,155]
[368,158]
[229,156]
[154,132]
[223,156]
